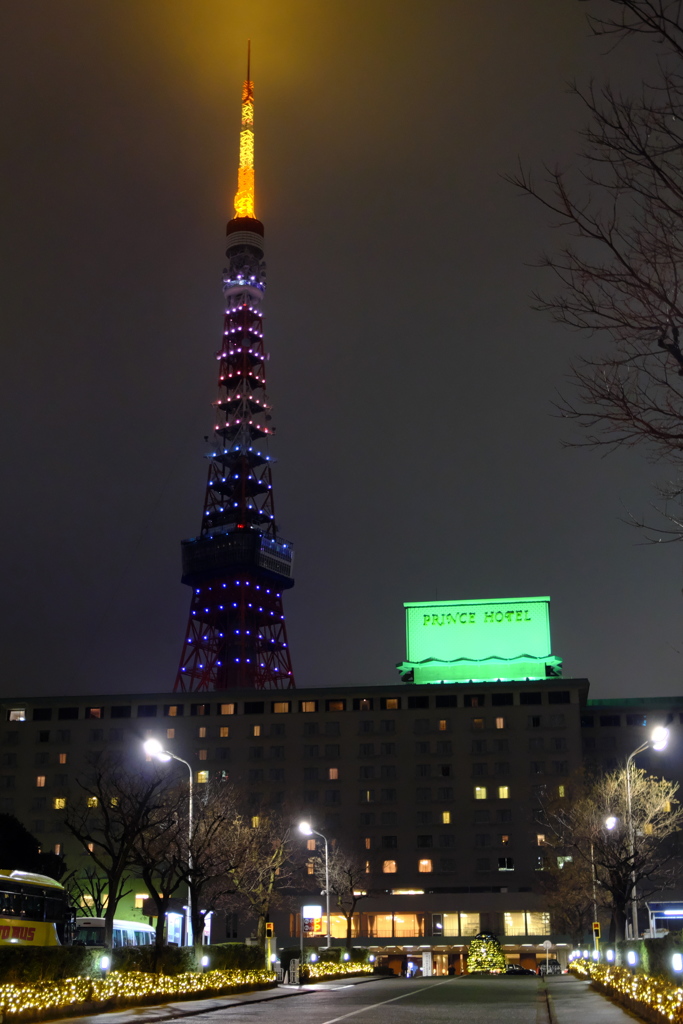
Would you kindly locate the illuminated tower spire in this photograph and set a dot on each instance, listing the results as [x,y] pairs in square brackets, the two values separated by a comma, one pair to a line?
[238,566]
[244,197]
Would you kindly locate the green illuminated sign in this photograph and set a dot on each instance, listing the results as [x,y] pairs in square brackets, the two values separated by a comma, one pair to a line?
[488,640]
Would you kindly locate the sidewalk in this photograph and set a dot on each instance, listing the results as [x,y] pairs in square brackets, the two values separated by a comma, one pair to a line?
[572,1001]
[192,1007]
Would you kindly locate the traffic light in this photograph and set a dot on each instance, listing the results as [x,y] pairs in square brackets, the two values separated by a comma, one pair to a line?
[270,930]
[596,929]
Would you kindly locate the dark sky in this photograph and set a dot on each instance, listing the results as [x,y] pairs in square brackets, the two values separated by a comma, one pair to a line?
[413,386]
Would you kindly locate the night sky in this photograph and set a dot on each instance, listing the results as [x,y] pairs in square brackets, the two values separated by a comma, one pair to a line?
[419,455]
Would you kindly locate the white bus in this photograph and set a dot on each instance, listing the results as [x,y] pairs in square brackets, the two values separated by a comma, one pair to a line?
[90,931]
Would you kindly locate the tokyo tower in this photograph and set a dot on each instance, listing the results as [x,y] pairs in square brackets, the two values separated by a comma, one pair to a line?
[239,566]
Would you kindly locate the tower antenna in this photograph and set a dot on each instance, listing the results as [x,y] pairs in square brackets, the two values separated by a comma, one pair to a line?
[244,197]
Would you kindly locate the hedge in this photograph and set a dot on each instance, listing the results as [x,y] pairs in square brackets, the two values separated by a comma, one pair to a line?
[57,963]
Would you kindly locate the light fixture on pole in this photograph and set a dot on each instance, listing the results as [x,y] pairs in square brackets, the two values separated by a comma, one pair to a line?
[306,830]
[658,741]
[153,748]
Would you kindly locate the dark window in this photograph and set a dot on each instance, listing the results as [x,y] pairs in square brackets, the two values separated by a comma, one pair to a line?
[277,753]
[120,711]
[504,816]
[388,795]
[366,771]
[222,754]
[335,705]
[537,767]
[44,736]
[444,747]
[501,699]
[42,714]
[561,767]
[387,771]
[534,721]
[556,721]
[636,720]
[482,839]
[421,747]
[96,735]
[387,725]
[506,864]
[423,795]
[332,796]
[362,703]
[423,817]
[481,817]
[587,721]
[479,769]
[610,720]
[418,702]
[421,725]
[115,735]
[256,774]
[474,700]
[478,746]
[389,842]
[331,750]
[424,842]
[64,735]
[483,864]
[444,793]
[449,700]
[251,707]
[558,743]
[423,771]
[147,711]
[558,697]
[310,796]
[311,729]
[502,746]
[588,743]
[256,753]
[447,839]
[66,714]
[444,770]
[387,818]
[502,768]
[530,698]
[367,818]
[332,728]
[277,729]
[311,750]
[536,743]
[311,774]
[387,749]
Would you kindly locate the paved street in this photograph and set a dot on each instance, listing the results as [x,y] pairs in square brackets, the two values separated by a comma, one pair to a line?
[467,1000]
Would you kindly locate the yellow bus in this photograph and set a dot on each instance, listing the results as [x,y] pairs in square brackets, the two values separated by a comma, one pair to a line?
[34,910]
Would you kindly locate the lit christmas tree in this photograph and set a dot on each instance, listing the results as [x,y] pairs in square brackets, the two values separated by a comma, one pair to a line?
[485,954]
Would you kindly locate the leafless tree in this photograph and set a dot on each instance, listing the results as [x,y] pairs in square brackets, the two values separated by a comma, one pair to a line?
[160,853]
[88,889]
[111,808]
[619,268]
[577,828]
[348,883]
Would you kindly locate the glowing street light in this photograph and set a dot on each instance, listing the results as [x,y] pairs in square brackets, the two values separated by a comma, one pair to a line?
[658,741]
[306,830]
[153,748]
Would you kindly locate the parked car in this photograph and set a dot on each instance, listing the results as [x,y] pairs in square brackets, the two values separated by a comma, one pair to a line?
[518,969]
[553,967]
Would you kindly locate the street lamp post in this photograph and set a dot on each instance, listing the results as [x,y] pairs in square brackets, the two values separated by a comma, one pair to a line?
[306,830]
[658,741]
[153,748]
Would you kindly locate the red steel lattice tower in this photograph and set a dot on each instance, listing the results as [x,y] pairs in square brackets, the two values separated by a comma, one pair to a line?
[238,566]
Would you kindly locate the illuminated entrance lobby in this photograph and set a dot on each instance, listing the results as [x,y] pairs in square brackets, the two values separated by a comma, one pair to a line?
[478,641]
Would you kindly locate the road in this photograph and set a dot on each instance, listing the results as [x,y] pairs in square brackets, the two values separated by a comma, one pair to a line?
[397,1001]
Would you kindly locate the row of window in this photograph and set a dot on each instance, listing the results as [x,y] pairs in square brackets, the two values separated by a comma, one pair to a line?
[420,925]
[610,721]
[427,866]
[258,707]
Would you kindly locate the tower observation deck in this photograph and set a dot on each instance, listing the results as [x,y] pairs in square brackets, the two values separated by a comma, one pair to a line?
[238,566]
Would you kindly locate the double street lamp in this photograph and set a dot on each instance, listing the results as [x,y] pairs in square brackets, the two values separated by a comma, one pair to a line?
[306,830]
[153,748]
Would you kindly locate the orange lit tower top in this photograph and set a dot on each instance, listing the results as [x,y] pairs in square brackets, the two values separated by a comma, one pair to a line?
[238,565]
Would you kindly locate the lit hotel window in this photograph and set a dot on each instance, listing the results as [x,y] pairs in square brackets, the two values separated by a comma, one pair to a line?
[202,777]
[310,867]
[540,839]
[170,734]
[368,842]
[227,709]
[333,773]
[58,848]
[307,706]
[503,792]
[203,755]
[500,723]
[40,781]
[224,732]
[61,758]
[424,866]
[59,803]
[140,898]
[445,817]
[480,792]
[256,730]
[310,844]
[255,821]
[281,707]
[367,867]
[201,732]
[92,801]
[389,867]
[443,725]
[560,792]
